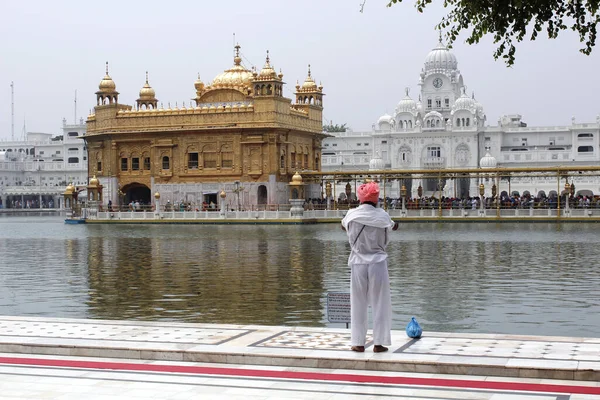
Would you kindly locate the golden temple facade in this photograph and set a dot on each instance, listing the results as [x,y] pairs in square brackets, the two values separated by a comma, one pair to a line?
[239,135]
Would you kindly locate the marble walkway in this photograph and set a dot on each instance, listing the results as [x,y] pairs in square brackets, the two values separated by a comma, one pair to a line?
[51,358]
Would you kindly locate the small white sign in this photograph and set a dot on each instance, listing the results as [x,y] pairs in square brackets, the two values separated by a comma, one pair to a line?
[338,307]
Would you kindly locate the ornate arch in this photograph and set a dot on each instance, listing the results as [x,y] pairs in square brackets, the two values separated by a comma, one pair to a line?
[462,154]
[404,155]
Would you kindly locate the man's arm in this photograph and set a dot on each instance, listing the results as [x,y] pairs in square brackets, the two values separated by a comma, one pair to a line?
[395,228]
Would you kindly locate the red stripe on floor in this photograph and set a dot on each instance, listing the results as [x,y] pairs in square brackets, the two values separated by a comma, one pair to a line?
[316,376]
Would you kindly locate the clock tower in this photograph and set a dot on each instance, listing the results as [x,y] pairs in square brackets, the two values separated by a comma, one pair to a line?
[440,81]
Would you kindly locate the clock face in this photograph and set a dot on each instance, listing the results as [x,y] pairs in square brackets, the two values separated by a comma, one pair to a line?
[437,83]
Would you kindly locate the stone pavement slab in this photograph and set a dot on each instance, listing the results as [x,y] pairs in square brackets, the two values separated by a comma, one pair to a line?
[436,353]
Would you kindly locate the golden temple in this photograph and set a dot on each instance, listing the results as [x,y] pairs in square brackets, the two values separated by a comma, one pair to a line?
[240,135]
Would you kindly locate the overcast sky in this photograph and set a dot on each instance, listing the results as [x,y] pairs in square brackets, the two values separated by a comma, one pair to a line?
[50,49]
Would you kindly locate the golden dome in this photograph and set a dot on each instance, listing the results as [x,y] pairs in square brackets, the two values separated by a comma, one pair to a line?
[222,194]
[235,76]
[147,93]
[296,179]
[309,83]
[157,195]
[199,85]
[267,72]
[70,189]
[107,84]
[94,181]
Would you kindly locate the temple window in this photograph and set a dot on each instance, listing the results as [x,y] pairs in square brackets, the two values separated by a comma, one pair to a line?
[135,163]
[165,163]
[306,161]
[147,163]
[123,164]
[99,166]
[227,159]
[210,160]
[192,160]
[293,160]
[428,103]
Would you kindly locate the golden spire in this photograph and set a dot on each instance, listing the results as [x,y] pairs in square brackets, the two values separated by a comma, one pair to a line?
[237,59]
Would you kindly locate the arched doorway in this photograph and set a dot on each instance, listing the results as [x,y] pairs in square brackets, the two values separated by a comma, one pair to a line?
[136,192]
[262,198]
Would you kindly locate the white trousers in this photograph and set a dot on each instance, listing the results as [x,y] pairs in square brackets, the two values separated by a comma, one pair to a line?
[370,285]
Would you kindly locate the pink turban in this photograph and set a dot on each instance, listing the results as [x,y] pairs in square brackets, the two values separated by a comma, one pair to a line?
[368,192]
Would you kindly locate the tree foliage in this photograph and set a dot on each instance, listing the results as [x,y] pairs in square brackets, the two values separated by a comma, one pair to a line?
[334,128]
[509,21]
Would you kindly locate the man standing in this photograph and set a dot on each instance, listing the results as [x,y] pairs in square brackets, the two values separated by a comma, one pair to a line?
[368,229]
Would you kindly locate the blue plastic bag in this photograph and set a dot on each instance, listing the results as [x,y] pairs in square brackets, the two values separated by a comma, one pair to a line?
[413,329]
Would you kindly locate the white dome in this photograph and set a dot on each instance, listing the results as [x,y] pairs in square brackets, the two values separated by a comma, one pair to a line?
[464,102]
[488,161]
[440,59]
[376,163]
[385,118]
[406,105]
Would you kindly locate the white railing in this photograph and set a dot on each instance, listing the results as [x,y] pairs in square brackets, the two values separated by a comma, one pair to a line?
[426,213]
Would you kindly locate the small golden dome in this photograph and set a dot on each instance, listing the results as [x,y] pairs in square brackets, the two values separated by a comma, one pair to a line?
[157,195]
[309,82]
[147,93]
[198,84]
[94,181]
[296,179]
[222,194]
[236,76]
[107,84]
[70,189]
[267,72]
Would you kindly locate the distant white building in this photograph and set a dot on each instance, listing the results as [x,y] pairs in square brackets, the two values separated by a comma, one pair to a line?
[35,172]
[446,128]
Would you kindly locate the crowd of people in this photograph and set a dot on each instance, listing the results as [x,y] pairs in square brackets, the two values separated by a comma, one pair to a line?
[503,201]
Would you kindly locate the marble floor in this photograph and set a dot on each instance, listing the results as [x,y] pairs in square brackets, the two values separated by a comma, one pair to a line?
[61,378]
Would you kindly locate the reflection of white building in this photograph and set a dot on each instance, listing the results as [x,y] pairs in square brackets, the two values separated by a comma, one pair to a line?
[444,127]
[37,170]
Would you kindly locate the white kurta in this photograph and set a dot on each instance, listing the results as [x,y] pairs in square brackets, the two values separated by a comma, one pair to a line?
[368,230]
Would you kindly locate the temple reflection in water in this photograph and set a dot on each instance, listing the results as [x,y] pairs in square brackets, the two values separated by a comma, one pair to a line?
[222,276]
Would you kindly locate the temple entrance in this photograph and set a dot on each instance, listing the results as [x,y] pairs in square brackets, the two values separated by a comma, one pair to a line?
[262,195]
[462,187]
[136,192]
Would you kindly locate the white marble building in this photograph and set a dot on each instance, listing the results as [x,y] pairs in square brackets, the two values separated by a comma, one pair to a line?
[444,127]
[37,170]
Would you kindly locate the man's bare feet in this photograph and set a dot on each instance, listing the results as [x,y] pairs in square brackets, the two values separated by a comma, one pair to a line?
[358,349]
[379,348]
